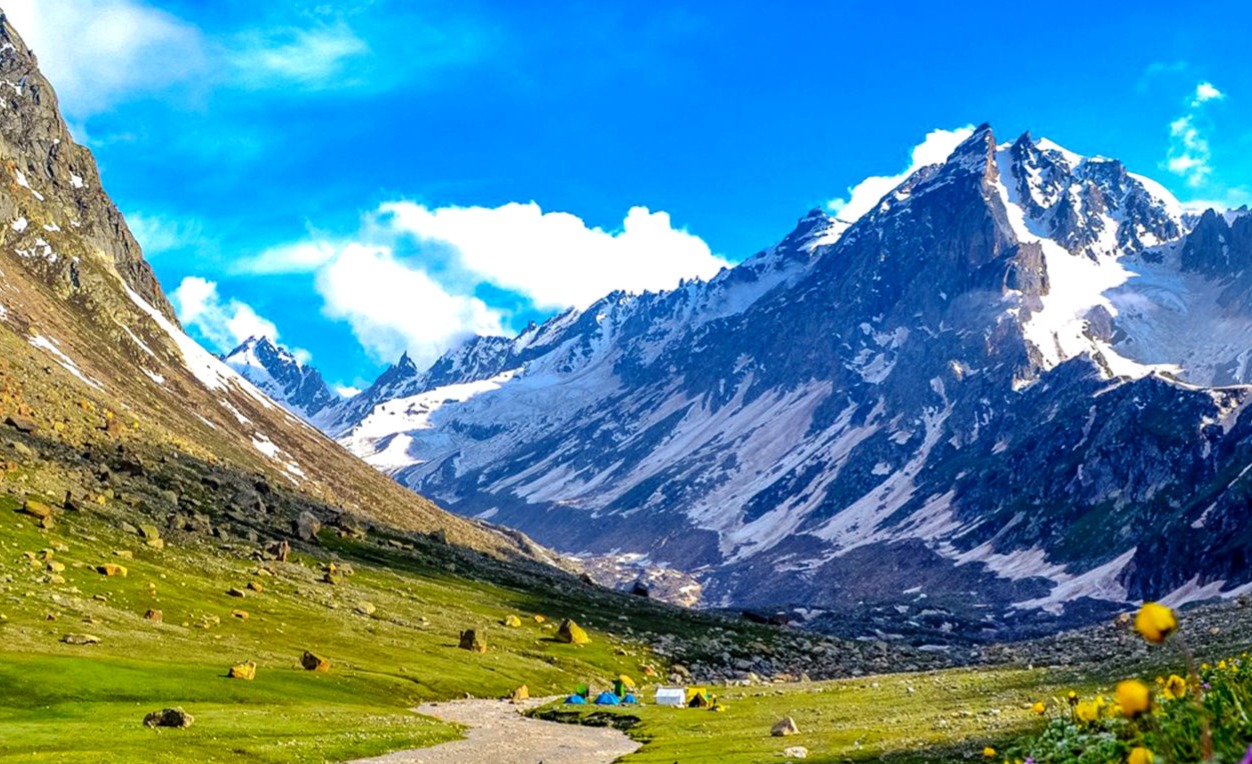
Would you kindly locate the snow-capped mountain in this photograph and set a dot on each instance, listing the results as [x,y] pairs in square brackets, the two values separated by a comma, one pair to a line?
[1016,386]
[280,375]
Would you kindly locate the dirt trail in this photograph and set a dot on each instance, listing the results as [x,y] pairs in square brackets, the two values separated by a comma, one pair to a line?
[499,733]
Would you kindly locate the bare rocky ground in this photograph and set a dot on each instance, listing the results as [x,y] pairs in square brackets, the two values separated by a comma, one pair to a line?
[498,732]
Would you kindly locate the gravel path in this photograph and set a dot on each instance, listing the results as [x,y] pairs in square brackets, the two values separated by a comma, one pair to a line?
[499,733]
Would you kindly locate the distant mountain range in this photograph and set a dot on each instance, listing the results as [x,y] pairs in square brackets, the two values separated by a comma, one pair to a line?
[1015,388]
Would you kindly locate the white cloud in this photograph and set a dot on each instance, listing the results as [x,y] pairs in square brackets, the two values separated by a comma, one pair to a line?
[1206,92]
[1189,154]
[554,258]
[347,391]
[864,196]
[158,233]
[225,324]
[97,51]
[393,307]
[308,57]
[425,304]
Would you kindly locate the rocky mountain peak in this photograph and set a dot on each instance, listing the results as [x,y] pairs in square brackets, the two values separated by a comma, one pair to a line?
[277,372]
[60,211]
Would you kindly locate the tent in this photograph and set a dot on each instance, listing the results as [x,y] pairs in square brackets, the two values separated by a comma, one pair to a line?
[576,700]
[607,698]
[698,697]
[630,700]
[671,696]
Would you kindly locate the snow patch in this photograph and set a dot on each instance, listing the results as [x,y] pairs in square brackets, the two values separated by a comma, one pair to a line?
[50,345]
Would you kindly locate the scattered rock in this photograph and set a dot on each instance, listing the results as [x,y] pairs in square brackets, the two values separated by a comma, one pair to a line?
[314,662]
[796,752]
[365,608]
[169,717]
[240,614]
[155,616]
[281,550]
[245,670]
[786,726]
[36,509]
[572,633]
[236,592]
[307,526]
[110,569]
[512,621]
[80,639]
[256,586]
[21,423]
[471,640]
[640,589]
[149,532]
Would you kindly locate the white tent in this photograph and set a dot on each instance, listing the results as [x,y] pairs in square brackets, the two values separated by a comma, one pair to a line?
[671,696]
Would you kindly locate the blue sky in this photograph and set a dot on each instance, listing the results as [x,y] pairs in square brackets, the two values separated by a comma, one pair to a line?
[367,178]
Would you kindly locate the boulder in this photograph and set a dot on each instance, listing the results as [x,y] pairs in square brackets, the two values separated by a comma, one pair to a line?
[36,509]
[519,694]
[149,532]
[471,640]
[365,608]
[240,614]
[155,615]
[314,662]
[512,621]
[235,591]
[80,639]
[111,569]
[796,752]
[256,586]
[21,423]
[245,670]
[307,526]
[784,727]
[572,633]
[169,717]
[640,589]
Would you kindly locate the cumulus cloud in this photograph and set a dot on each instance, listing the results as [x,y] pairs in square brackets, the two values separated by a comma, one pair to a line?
[394,307]
[408,280]
[347,391]
[1189,154]
[95,51]
[307,57]
[554,258]
[864,196]
[224,324]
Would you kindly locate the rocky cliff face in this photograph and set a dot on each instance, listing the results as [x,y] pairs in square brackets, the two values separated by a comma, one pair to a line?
[1013,389]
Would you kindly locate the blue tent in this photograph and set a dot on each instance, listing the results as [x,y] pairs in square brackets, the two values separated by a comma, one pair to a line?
[630,699]
[577,700]
[607,699]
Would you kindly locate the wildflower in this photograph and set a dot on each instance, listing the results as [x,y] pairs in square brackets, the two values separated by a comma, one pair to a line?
[1134,697]
[1248,758]
[1140,755]
[1175,687]
[1039,708]
[1087,711]
[1072,697]
[989,752]
[1155,622]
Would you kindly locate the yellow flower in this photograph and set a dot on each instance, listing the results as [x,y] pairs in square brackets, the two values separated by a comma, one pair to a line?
[1039,708]
[1134,697]
[1087,711]
[1072,697]
[989,752]
[1140,755]
[1155,622]
[1100,702]
[1175,687]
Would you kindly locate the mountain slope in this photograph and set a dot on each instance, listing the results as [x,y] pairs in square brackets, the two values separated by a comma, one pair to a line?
[276,372]
[999,381]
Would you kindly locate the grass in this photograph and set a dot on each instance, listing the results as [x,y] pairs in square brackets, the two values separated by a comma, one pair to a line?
[61,702]
[929,717]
